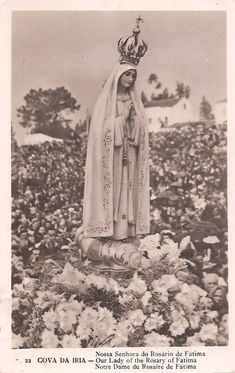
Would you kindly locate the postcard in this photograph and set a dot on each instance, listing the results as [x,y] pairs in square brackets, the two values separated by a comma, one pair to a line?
[117,186]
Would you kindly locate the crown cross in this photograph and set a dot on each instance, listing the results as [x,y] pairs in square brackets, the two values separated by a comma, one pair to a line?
[132,48]
[138,20]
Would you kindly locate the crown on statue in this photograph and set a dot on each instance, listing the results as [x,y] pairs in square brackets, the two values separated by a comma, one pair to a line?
[132,48]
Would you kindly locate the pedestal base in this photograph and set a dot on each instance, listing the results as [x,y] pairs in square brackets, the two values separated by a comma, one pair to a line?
[111,255]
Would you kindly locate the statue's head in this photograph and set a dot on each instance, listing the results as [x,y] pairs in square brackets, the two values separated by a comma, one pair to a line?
[127,79]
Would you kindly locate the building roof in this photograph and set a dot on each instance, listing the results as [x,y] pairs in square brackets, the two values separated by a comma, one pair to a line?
[162,103]
[37,138]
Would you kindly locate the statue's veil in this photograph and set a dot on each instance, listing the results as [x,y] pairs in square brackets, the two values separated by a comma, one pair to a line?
[98,194]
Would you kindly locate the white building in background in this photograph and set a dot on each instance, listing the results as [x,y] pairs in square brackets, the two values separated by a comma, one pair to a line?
[220,111]
[165,112]
[37,139]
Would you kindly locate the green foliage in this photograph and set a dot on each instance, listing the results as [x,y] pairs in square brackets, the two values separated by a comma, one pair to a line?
[152,78]
[205,110]
[14,146]
[43,109]
[182,90]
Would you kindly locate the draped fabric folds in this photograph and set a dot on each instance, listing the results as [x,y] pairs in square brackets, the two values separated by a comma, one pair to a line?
[99,210]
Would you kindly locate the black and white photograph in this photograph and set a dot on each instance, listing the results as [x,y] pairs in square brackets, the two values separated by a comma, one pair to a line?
[116,186]
[119,220]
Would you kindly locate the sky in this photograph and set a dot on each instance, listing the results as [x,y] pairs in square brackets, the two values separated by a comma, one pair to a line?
[78,49]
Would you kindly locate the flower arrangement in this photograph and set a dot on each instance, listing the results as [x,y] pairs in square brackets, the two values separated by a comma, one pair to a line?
[72,306]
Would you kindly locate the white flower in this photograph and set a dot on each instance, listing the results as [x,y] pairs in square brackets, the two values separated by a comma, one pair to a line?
[66,321]
[137,285]
[112,285]
[119,341]
[150,241]
[83,331]
[93,280]
[49,339]
[70,341]
[100,323]
[100,282]
[46,299]
[16,302]
[18,290]
[123,329]
[155,321]
[67,313]
[164,298]
[176,314]
[17,341]
[137,317]
[71,305]
[150,244]
[106,324]
[156,340]
[125,298]
[121,336]
[145,298]
[50,319]
[194,341]
[179,326]
[208,331]
[165,283]
[194,321]
[188,296]
[72,278]
[88,319]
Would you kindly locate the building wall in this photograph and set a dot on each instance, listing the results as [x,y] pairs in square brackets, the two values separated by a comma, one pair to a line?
[154,114]
[220,112]
[179,113]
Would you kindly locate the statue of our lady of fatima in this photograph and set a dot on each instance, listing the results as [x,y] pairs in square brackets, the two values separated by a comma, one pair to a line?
[116,197]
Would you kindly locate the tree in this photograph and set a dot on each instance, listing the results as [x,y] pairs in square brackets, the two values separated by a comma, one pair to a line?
[182,90]
[157,85]
[13,140]
[43,109]
[165,94]
[187,91]
[152,78]
[205,110]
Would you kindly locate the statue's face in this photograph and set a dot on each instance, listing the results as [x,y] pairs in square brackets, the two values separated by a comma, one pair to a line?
[127,79]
